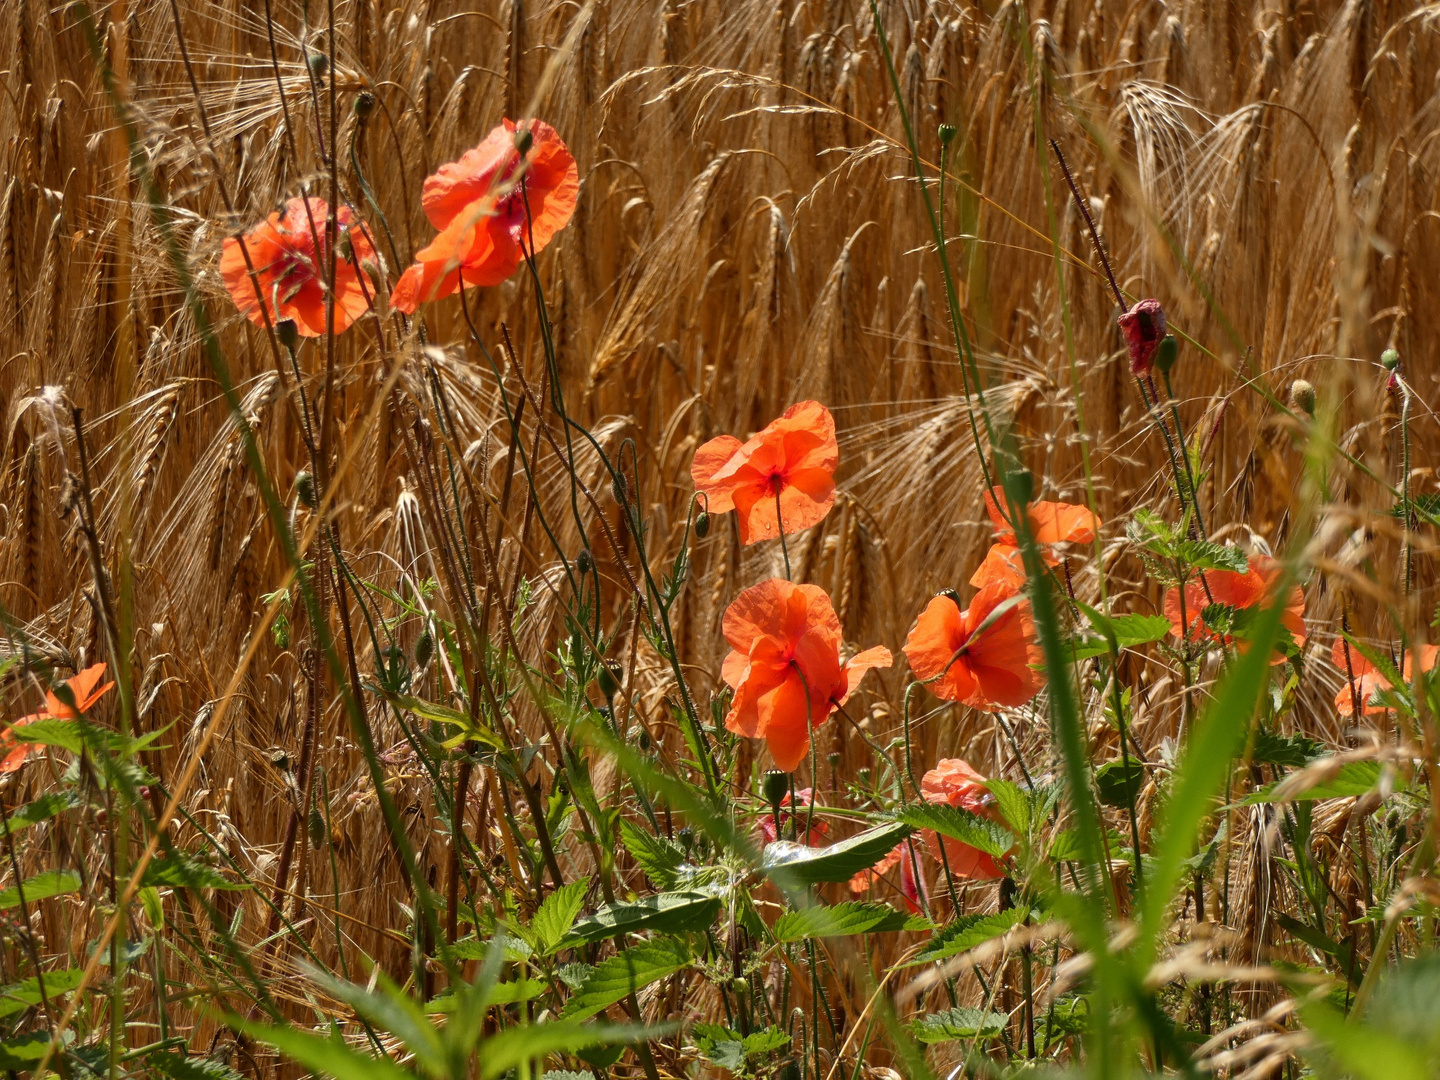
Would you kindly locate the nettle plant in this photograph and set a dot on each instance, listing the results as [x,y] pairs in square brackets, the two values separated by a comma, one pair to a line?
[630,903]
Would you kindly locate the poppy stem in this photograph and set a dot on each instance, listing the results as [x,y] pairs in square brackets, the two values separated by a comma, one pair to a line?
[780,527]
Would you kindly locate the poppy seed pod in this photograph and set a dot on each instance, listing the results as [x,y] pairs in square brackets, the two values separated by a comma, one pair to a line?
[319,63]
[524,140]
[947,134]
[775,785]
[1390,359]
[1144,328]
[288,334]
[609,679]
[1167,354]
[1302,396]
[364,103]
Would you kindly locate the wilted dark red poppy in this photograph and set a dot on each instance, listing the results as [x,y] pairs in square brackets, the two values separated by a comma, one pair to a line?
[289,252]
[1144,328]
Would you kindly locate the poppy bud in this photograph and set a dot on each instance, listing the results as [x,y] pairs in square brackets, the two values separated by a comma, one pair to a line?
[288,334]
[319,63]
[524,140]
[862,775]
[833,760]
[1390,359]
[1024,483]
[305,488]
[317,830]
[947,134]
[1302,396]
[702,524]
[1167,354]
[584,562]
[424,648]
[609,679]
[740,987]
[1144,327]
[364,104]
[775,785]
[686,836]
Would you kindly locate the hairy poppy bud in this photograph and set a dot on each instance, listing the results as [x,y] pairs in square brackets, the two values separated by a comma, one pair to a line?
[1302,396]
[702,524]
[1144,327]
[947,134]
[1167,354]
[609,679]
[1390,359]
[305,488]
[524,140]
[686,836]
[775,785]
[424,648]
[364,103]
[288,334]
[584,562]
[319,63]
[316,826]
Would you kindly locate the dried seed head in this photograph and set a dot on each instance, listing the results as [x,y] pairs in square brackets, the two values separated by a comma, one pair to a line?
[1302,396]
[1144,328]
[364,104]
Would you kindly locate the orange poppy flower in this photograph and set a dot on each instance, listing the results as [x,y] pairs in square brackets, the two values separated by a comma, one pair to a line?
[986,667]
[491,207]
[290,268]
[954,783]
[1005,566]
[1251,589]
[84,691]
[794,456]
[785,667]
[905,857]
[1050,522]
[1369,680]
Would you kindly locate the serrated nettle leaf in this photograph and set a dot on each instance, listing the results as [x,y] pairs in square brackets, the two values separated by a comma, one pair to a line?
[969,932]
[1119,782]
[557,914]
[659,856]
[1287,751]
[959,1023]
[1350,780]
[182,872]
[669,913]
[627,971]
[795,865]
[471,948]
[1205,555]
[42,808]
[24,995]
[958,824]
[501,993]
[22,1052]
[503,1052]
[184,1067]
[1014,803]
[41,887]
[838,920]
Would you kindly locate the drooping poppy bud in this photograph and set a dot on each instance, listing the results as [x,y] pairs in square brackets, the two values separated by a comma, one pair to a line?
[1167,354]
[1144,328]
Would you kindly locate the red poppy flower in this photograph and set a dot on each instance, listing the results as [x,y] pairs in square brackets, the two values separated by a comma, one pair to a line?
[817,831]
[985,666]
[862,880]
[1144,328]
[1241,591]
[954,783]
[785,667]
[491,207]
[1368,679]
[1003,565]
[84,692]
[905,857]
[1050,522]
[290,268]
[794,456]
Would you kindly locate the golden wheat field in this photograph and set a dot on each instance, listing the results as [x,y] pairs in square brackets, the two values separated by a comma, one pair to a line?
[432,748]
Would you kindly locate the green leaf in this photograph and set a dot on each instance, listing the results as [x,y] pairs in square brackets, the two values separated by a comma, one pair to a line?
[657,855]
[1205,555]
[182,872]
[20,996]
[390,1008]
[23,1052]
[557,914]
[669,913]
[328,1056]
[838,920]
[1119,782]
[1126,631]
[502,993]
[41,887]
[1354,778]
[43,809]
[961,1023]
[444,715]
[633,968]
[502,1052]
[183,1067]
[795,865]
[1014,803]
[1287,751]
[968,932]
[957,824]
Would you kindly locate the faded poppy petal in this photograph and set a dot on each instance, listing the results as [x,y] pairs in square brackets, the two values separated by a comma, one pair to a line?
[954,783]
[1144,327]
[860,665]
[1050,522]
[790,461]
[1003,565]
